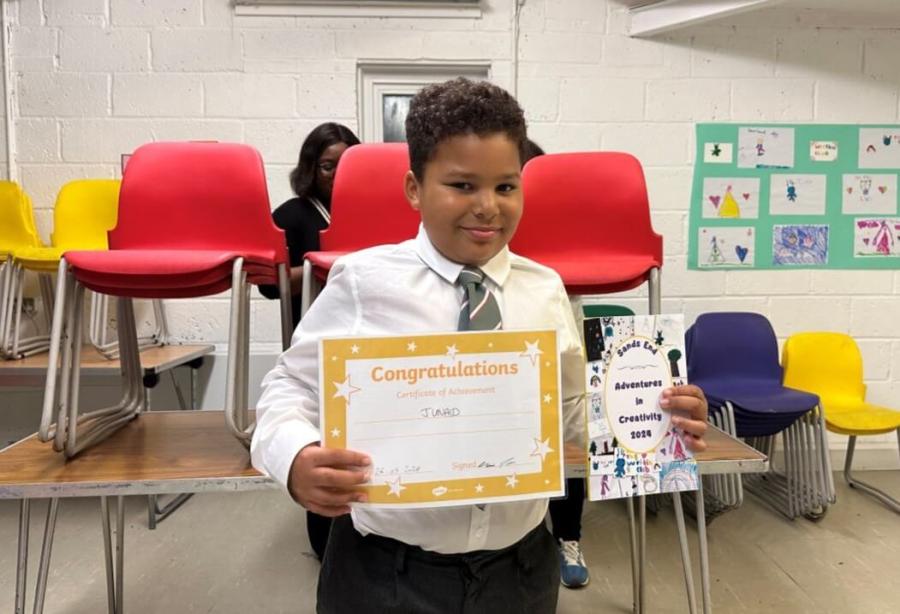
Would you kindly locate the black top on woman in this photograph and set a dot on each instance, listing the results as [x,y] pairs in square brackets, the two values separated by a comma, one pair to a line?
[304,216]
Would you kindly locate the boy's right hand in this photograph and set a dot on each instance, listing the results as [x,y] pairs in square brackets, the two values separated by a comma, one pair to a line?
[327,480]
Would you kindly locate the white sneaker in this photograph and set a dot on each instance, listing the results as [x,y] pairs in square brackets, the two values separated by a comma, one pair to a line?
[573,571]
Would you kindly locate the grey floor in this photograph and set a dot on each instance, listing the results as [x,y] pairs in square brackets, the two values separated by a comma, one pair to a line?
[247,552]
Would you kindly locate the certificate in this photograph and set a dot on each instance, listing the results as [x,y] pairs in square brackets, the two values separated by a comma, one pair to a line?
[634,448]
[448,419]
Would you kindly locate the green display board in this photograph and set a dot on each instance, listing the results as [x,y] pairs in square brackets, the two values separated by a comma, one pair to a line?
[789,196]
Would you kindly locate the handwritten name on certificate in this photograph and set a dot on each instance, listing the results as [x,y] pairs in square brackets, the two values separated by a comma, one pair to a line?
[448,419]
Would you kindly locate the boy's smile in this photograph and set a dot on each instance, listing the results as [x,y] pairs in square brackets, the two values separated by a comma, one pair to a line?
[470,197]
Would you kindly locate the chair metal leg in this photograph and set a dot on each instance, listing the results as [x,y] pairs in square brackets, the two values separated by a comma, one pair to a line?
[22,558]
[879,494]
[704,550]
[685,551]
[236,414]
[306,288]
[40,591]
[642,554]
[284,291]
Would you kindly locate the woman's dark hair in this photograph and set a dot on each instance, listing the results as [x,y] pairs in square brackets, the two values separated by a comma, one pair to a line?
[457,107]
[323,136]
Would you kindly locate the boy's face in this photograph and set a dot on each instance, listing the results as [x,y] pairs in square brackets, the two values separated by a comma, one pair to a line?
[470,197]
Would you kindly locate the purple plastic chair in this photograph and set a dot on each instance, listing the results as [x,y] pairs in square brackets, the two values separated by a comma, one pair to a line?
[733,357]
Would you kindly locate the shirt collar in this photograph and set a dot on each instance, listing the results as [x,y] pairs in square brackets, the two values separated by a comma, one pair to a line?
[497,268]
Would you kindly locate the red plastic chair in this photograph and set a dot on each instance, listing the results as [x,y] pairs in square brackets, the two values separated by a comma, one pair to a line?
[587,216]
[194,220]
[368,207]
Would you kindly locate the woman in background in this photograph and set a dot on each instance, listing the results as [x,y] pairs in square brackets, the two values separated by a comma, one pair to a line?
[301,218]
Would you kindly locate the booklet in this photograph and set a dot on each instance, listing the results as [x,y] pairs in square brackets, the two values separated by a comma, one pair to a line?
[633,448]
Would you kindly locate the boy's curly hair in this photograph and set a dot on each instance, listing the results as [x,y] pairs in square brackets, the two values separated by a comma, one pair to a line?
[457,107]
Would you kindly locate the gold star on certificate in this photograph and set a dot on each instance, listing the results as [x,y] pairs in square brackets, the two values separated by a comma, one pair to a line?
[452,351]
[532,351]
[479,488]
[354,349]
[547,398]
[511,480]
[411,346]
[335,432]
[541,448]
[345,389]
[395,487]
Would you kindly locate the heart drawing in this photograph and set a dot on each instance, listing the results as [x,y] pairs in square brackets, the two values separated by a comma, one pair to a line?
[850,190]
[715,200]
[746,195]
[866,240]
[882,188]
[741,252]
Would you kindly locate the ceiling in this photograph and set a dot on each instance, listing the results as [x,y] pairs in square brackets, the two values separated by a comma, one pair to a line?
[649,17]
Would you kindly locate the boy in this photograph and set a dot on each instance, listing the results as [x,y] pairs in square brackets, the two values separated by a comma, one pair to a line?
[465,142]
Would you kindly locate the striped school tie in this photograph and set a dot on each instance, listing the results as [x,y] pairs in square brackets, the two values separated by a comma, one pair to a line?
[479,310]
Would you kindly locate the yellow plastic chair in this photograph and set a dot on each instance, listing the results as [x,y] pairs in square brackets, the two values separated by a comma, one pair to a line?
[17,231]
[830,365]
[85,210]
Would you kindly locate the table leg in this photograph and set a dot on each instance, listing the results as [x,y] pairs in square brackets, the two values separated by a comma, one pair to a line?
[642,554]
[635,571]
[22,559]
[685,553]
[704,550]
[40,590]
[107,555]
[120,554]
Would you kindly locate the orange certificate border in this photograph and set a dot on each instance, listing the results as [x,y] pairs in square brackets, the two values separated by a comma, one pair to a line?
[333,356]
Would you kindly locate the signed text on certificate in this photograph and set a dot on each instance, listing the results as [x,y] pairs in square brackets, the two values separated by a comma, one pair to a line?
[447,419]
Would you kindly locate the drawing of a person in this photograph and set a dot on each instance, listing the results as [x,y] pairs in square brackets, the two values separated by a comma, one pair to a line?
[604,485]
[760,147]
[865,186]
[884,240]
[620,467]
[791,191]
[715,254]
[730,206]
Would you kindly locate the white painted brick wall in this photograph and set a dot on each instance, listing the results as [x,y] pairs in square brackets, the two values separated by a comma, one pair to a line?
[96,78]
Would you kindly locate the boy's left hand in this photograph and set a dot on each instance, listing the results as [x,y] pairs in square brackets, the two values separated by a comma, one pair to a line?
[688,400]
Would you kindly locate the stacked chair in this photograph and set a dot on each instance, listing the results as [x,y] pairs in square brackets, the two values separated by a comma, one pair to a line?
[734,358]
[830,366]
[193,221]
[368,208]
[17,232]
[587,216]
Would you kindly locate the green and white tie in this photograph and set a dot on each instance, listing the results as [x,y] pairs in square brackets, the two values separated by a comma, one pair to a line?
[479,310]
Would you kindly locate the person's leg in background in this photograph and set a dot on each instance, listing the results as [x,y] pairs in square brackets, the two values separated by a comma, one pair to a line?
[317,528]
[565,515]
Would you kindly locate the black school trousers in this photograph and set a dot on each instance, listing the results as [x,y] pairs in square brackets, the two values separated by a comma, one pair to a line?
[374,574]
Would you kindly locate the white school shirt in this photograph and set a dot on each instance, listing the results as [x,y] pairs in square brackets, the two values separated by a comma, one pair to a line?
[411,288]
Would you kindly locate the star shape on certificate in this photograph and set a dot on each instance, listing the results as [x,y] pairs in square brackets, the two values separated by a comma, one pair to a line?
[479,488]
[452,351]
[547,398]
[511,480]
[345,389]
[335,432]
[411,346]
[395,487]
[354,349]
[334,358]
[532,351]
[491,344]
[541,448]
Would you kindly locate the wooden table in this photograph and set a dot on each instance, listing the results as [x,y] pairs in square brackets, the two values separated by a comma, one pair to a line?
[167,452]
[32,371]
[164,452]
